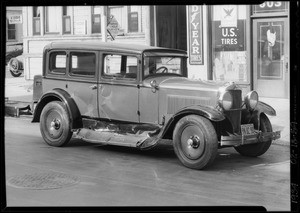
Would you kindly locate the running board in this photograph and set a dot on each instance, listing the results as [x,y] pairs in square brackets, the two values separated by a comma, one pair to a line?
[142,141]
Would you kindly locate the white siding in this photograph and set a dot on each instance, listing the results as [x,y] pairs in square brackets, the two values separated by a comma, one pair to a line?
[35,65]
[82,16]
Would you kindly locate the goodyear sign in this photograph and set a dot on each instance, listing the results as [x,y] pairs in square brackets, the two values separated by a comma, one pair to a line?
[195,34]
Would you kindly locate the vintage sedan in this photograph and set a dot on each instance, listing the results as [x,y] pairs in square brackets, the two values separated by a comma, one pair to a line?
[139,96]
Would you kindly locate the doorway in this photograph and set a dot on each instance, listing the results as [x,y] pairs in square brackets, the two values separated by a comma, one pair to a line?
[271,57]
[171,26]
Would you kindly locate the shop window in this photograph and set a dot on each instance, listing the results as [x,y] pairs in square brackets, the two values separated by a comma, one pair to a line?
[229,38]
[11,31]
[52,19]
[96,19]
[66,20]
[37,20]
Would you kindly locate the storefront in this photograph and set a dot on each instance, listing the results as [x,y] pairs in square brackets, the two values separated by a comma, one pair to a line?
[247,44]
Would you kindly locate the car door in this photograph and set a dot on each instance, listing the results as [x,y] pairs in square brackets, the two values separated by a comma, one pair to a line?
[81,81]
[118,87]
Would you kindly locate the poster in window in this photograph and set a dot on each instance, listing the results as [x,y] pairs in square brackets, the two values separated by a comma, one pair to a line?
[195,34]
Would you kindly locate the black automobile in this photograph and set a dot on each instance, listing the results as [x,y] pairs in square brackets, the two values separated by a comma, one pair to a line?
[14,59]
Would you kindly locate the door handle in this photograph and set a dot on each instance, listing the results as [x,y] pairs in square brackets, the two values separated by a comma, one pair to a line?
[93,87]
[286,67]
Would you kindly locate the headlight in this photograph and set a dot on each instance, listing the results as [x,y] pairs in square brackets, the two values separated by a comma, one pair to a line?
[225,100]
[251,100]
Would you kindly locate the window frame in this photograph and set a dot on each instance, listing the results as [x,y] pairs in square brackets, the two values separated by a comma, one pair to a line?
[93,17]
[66,17]
[48,64]
[14,30]
[46,20]
[78,76]
[36,20]
[104,77]
[130,22]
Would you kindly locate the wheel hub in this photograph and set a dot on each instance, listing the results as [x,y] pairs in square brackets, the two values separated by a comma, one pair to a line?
[55,124]
[194,141]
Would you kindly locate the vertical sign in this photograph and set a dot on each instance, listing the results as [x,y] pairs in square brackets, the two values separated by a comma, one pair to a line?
[195,34]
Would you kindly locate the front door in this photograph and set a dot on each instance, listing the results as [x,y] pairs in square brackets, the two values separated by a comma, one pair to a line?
[118,90]
[271,57]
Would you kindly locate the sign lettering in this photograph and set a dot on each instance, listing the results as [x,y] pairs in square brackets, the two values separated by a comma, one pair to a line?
[15,19]
[195,34]
[270,6]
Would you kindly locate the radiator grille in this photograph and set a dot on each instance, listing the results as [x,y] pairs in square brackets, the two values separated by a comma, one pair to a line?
[234,115]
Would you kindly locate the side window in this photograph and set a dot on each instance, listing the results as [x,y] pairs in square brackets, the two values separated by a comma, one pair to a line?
[83,64]
[120,67]
[57,62]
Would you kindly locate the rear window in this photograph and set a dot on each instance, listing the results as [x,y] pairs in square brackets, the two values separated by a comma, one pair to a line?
[83,64]
[58,62]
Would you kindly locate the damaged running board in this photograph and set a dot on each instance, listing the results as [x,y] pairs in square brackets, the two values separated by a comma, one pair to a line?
[141,141]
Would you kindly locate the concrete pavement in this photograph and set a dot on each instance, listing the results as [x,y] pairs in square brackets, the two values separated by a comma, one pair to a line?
[18,94]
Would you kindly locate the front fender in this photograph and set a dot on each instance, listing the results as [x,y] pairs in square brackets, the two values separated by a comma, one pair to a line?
[263,107]
[254,116]
[66,99]
[207,112]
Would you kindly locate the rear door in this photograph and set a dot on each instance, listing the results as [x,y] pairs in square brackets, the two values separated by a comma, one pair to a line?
[81,81]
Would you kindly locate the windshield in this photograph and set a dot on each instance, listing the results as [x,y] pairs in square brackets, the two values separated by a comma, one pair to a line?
[156,65]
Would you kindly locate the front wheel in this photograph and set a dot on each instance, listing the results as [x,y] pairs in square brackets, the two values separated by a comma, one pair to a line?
[195,141]
[55,124]
[254,150]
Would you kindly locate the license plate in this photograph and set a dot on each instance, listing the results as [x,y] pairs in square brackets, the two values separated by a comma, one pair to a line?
[247,129]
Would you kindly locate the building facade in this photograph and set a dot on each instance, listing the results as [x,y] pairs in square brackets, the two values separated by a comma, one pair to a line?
[247,44]
[14,27]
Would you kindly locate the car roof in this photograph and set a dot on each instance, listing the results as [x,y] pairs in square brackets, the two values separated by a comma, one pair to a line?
[112,46]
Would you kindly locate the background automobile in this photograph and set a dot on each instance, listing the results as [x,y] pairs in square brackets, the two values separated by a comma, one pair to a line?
[14,60]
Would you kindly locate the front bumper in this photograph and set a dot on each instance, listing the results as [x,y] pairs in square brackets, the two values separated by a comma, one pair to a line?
[257,137]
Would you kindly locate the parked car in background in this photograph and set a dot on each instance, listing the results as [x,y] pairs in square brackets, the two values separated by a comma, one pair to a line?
[14,60]
[139,96]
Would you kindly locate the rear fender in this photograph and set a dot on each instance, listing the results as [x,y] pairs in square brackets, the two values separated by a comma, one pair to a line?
[207,112]
[66,99]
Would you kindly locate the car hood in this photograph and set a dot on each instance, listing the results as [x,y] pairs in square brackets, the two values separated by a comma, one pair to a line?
[176,93]
[190,84]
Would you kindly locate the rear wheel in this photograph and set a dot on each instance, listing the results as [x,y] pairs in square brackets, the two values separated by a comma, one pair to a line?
[55,124]
[195,141]
[14,67]
[254,150]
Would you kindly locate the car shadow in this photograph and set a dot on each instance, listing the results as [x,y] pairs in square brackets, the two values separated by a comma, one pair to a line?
[227,158]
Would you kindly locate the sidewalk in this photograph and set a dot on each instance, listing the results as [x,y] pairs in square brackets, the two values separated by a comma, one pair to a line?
[18,93]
